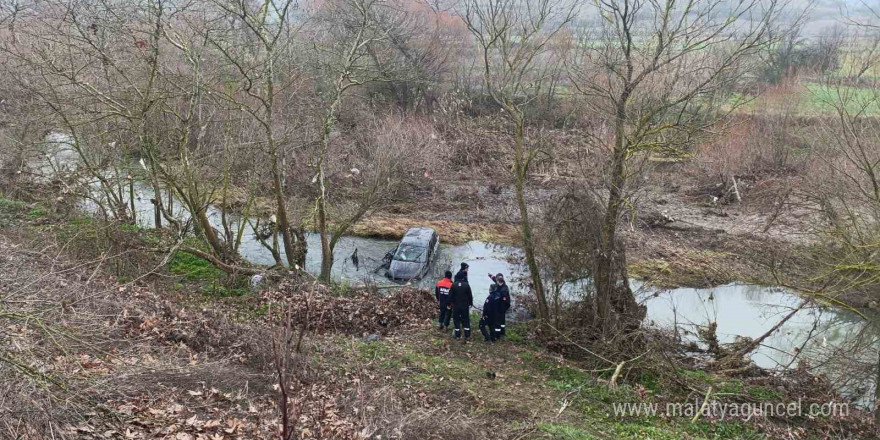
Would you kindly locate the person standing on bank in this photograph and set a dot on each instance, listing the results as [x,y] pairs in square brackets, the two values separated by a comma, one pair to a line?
[504,294]
[462,273]
[489,322]
[441,292]
[462,300]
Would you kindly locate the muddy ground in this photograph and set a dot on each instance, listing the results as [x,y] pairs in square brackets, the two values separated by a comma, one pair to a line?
[708,242]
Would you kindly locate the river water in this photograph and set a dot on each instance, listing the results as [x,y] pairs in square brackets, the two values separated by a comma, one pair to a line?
[483,258]
[738,310]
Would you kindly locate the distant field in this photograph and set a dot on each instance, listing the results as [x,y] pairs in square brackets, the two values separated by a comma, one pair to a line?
[825,99]
[811,99]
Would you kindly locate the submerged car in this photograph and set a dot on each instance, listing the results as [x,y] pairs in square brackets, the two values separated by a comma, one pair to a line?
[412,257]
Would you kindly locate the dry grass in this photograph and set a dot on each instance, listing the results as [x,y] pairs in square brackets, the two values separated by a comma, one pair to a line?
[84,356]
[450,231]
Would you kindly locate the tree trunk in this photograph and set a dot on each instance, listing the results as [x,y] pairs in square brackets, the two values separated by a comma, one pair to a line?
[211,235]
[321,202]
[300,246]
[281,209]
[877,398]
[520,173]
[157,214]
[617,308]
[170,201]
[131,200]
[326,250]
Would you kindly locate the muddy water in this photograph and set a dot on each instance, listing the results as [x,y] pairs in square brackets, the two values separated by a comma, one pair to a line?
[739,310]
[483,258]
[815,334]
[750,311]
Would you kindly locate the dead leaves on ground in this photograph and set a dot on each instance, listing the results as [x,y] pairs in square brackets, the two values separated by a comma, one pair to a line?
[361,313]
[209,414]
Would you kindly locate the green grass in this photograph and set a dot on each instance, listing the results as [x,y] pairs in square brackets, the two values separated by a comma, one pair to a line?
[529,378]
[193,268]
[763,393]
[697,375]
[851,62]
[372,350]
[11,212]
[515,333]
[730,387]
[36,213]
[11,205]
[218,290]
[814,99]
[856,100]
[564,432]
[213,282]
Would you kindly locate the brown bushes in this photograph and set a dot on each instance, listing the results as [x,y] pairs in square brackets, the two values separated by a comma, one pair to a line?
[361,313]
[768,142]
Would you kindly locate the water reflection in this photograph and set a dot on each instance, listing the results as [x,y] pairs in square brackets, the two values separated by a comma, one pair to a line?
[815,334]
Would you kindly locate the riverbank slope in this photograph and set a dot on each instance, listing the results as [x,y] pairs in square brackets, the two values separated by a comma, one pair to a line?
[94,355]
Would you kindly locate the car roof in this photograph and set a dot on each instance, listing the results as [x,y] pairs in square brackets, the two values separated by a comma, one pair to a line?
[419,236]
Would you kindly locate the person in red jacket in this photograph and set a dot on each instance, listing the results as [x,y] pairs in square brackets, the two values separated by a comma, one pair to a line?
[441,292]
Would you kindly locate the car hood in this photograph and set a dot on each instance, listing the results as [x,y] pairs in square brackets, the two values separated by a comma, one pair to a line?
[404,270]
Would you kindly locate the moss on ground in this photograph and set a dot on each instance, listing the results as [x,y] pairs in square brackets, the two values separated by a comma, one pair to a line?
[193,268]
[11,212]
[201,275]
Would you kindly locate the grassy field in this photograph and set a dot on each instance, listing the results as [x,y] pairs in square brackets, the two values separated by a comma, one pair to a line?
[811,99]
[533,394]
[824,99]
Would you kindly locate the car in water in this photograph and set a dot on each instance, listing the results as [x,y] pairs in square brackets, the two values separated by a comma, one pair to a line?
[412,257]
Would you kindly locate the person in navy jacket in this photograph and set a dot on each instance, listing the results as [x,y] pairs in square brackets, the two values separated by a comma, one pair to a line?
[492,310]
[504,293]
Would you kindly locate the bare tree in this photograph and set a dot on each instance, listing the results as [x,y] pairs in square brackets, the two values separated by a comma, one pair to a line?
[352,35]
[514,40]
[648,72]
[846,188]
[266,32]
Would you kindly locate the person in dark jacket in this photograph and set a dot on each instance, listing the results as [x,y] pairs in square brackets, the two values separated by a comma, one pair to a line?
[462,273]
[504,294]
[441,292]
[462,300]
[489,322]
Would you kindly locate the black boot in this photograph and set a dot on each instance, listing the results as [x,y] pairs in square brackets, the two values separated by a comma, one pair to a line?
[485,333]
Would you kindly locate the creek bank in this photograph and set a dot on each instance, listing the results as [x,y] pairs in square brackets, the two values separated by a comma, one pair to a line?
[756,308]
[391,222]
[187,365]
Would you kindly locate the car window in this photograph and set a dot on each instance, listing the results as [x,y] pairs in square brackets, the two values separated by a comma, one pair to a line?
[410,252]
